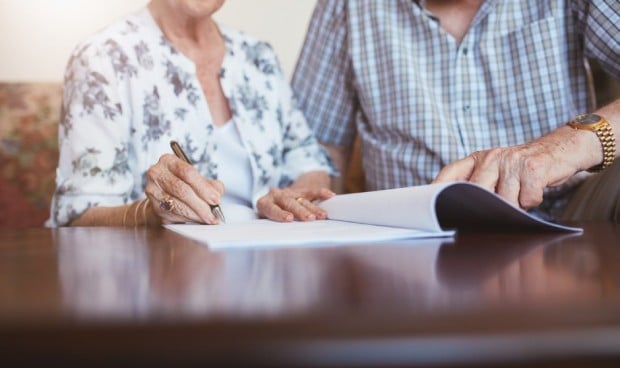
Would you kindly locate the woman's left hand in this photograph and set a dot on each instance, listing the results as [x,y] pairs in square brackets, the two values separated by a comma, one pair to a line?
[290,204]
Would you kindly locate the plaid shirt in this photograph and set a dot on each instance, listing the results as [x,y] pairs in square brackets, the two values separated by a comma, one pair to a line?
[419,99]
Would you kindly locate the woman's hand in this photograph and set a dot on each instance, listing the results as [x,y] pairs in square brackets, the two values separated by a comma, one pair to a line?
[297,202]
[290,204]
[178,193]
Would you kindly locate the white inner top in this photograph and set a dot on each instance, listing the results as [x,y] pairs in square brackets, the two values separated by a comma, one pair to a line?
[234,168]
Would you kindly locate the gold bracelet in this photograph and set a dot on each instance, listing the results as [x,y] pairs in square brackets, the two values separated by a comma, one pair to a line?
[125,213]
[144,218]
[135,213]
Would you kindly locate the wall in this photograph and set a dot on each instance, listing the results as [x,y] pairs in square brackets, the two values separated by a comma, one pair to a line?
[37,36]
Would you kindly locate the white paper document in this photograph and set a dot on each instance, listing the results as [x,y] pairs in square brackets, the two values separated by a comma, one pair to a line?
[266,233]
[425,211]
[435,207]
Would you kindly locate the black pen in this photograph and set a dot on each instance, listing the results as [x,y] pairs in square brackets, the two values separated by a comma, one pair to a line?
[178,151]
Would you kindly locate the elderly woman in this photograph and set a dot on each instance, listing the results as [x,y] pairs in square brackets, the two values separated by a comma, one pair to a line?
[169,72]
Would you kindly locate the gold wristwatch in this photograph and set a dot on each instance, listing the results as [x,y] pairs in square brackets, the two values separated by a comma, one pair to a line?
[601,127]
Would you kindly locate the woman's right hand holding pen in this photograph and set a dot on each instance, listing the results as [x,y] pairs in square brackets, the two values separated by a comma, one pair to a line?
[179,193]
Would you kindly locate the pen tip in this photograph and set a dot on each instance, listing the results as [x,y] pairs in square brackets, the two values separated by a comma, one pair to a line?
[217,211]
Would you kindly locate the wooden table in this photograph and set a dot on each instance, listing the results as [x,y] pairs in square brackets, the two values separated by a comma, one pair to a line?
[137,297]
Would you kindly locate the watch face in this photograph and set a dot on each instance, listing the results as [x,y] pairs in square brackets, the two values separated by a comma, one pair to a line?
[587,119]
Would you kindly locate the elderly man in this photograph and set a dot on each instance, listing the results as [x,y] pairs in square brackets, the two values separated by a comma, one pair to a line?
[493,92]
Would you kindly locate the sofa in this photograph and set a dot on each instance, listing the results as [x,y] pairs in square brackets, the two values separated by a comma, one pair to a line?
[29,114]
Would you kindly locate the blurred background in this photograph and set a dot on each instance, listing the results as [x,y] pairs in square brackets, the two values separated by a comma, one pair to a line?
[37,36]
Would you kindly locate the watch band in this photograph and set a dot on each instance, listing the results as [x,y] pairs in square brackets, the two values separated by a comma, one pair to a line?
[605,134]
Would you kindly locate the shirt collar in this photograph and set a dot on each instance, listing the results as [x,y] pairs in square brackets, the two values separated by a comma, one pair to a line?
[486,7]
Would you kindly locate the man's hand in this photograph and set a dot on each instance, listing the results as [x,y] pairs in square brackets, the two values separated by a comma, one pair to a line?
[520,173]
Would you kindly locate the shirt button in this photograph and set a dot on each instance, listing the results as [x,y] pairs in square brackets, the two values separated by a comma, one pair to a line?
[465,50]
[466,107]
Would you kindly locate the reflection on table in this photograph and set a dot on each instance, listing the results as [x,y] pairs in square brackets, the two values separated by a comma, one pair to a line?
[110,276]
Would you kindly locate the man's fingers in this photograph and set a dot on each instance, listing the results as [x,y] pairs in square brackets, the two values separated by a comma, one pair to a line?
[532,189]
[518,173]
[486,168]
[457,171]
[509,185]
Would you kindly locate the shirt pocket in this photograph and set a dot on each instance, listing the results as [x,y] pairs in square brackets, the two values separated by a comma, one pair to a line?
[527,70]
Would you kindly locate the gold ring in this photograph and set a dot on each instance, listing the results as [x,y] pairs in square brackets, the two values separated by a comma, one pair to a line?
[299,199]
[166,204]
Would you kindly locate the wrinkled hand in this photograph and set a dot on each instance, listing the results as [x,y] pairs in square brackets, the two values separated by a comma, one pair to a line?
[290,204]
[178,193]
[520,173]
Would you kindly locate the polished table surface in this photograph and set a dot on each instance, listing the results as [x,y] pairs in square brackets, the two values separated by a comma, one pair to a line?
[149,297]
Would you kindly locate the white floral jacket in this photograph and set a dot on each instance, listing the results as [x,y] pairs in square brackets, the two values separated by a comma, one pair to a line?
[128,92]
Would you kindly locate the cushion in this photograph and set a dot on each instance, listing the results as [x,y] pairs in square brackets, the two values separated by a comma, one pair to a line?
[29,115]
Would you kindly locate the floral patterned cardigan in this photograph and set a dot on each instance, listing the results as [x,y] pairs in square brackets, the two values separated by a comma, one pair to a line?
[128,92]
